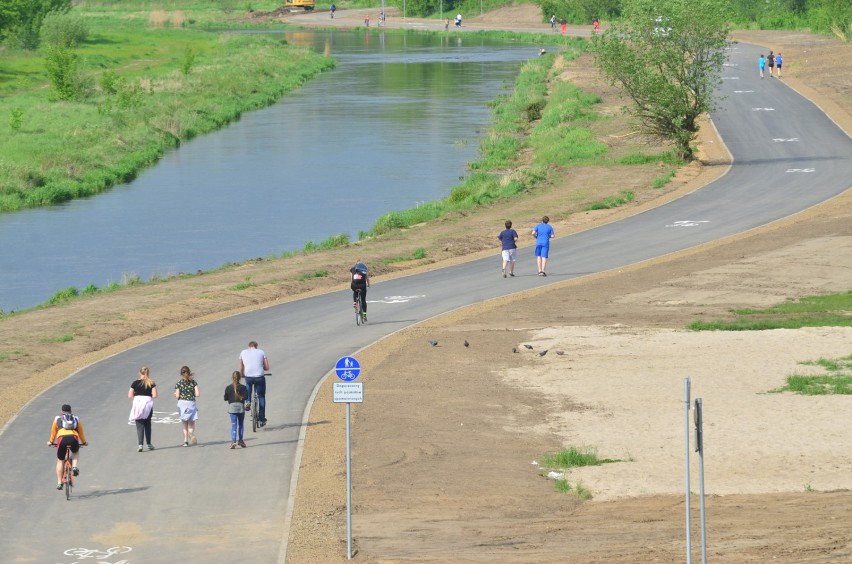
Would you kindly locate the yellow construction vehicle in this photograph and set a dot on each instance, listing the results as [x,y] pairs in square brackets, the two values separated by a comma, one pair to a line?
[300,5]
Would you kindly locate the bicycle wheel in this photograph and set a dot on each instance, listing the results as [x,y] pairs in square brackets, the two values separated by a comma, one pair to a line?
[68,480]
[358,317]
[254,409]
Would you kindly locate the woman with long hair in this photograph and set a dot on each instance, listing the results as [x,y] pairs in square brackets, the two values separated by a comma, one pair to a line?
[143,392]
[236,395]
[186,392]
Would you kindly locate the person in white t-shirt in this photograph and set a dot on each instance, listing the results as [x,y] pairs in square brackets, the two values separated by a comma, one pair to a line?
[253,366]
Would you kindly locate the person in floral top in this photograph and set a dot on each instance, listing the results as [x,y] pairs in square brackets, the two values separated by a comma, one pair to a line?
[186,392]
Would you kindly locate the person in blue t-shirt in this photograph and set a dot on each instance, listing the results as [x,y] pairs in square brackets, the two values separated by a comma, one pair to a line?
[543,234]
[509,238]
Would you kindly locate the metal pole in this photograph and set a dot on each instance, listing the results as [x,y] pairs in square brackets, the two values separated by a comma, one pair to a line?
[348,490]
[699,433]
[686,446]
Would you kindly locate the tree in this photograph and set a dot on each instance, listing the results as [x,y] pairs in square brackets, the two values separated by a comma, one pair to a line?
[20,20]
[667,56]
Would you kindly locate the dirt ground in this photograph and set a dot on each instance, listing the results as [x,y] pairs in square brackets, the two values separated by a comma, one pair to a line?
[445,460]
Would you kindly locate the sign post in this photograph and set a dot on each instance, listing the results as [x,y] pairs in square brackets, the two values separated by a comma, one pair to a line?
[348,391]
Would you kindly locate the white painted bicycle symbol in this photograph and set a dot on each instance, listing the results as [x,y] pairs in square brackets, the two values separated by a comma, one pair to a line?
[398,299]
[167,417]
[687,223]
[84,553]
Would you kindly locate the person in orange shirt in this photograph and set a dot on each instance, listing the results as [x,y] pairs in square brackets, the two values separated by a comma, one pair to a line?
[67,433]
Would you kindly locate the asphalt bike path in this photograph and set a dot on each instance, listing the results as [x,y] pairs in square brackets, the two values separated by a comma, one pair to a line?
[207,503]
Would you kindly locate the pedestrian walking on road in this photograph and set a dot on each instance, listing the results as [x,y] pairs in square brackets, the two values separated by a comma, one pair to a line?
[543,233]
[761,63]
[186,392]
[553,22]
[509,239]
[778,61]
[143,392]
[236,395]
[770,60]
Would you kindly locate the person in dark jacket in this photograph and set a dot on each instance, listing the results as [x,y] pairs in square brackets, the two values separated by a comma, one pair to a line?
[236,395]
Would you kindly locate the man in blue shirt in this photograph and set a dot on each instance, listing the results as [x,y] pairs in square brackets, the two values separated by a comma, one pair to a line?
[543,234]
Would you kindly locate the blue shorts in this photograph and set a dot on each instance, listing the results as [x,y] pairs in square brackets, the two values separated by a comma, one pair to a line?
[542,250]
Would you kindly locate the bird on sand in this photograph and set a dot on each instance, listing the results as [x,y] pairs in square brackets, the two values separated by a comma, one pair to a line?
[466,344]
[560,353]
[514,350]
[433,342]
[528,347]
[542,353]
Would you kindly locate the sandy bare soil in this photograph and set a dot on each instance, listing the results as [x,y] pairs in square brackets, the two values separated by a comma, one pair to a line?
[445,453]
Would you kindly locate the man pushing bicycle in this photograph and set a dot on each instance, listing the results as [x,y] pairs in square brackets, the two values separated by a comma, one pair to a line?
[67,433]
[253,366]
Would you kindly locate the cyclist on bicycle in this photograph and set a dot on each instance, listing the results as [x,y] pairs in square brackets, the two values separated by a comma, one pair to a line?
[360,281]
[67,433]
[253,366]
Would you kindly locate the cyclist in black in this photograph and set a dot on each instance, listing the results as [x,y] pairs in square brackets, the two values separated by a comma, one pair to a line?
[360,281]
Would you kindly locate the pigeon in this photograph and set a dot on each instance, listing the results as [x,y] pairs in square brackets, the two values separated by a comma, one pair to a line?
[528,347]
[514,350]
[560,353]
[434,343]
[466,344]
[542,353]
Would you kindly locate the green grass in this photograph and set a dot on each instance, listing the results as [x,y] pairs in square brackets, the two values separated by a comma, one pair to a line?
[625,197]
[831,310]
[574,457]
[333,242]
[311,275]
[419,253]
[837,380]
[664,179]
[243,285]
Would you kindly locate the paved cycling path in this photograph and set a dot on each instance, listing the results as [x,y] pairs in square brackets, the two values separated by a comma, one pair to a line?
[211,504]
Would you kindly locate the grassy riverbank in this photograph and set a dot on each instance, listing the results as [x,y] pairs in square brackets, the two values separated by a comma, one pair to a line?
[145,83]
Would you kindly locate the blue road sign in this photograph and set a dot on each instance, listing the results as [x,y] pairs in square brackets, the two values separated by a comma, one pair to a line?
[347,368]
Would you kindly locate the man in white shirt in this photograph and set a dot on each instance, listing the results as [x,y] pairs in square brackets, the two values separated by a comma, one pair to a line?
[253,366]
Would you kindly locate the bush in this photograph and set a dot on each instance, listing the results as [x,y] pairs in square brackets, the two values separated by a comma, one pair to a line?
[66,30]
[62,68]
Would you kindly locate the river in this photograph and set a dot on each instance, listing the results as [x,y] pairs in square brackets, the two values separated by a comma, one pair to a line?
[393,125]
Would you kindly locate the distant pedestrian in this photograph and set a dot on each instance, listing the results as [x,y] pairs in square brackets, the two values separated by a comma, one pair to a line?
[143,392]
[553,22]
[564,25]
[186,392]
[381,19]
[761,63]
[770,60]
[596,25]
[367,20]
[541,52]
[236,395]
[447,24]
[332,10]
[543,233]
[458,20]
[509,239]
[778,61]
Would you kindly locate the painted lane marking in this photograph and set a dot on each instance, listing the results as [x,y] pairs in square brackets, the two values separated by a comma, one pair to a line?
[730,78]
[396,299]
[743,91]
[167,417]
[790,140]
[800,170]
[763,109]
[83,553]
[686,223]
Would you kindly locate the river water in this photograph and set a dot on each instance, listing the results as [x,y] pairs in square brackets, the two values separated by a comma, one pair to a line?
[393,125]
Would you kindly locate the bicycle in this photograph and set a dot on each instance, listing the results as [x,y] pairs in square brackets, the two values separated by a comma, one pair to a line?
[360,316]
[255,408]
[67,473]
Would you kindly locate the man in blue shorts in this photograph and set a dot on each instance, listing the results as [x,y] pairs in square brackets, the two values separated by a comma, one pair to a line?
[543,234]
